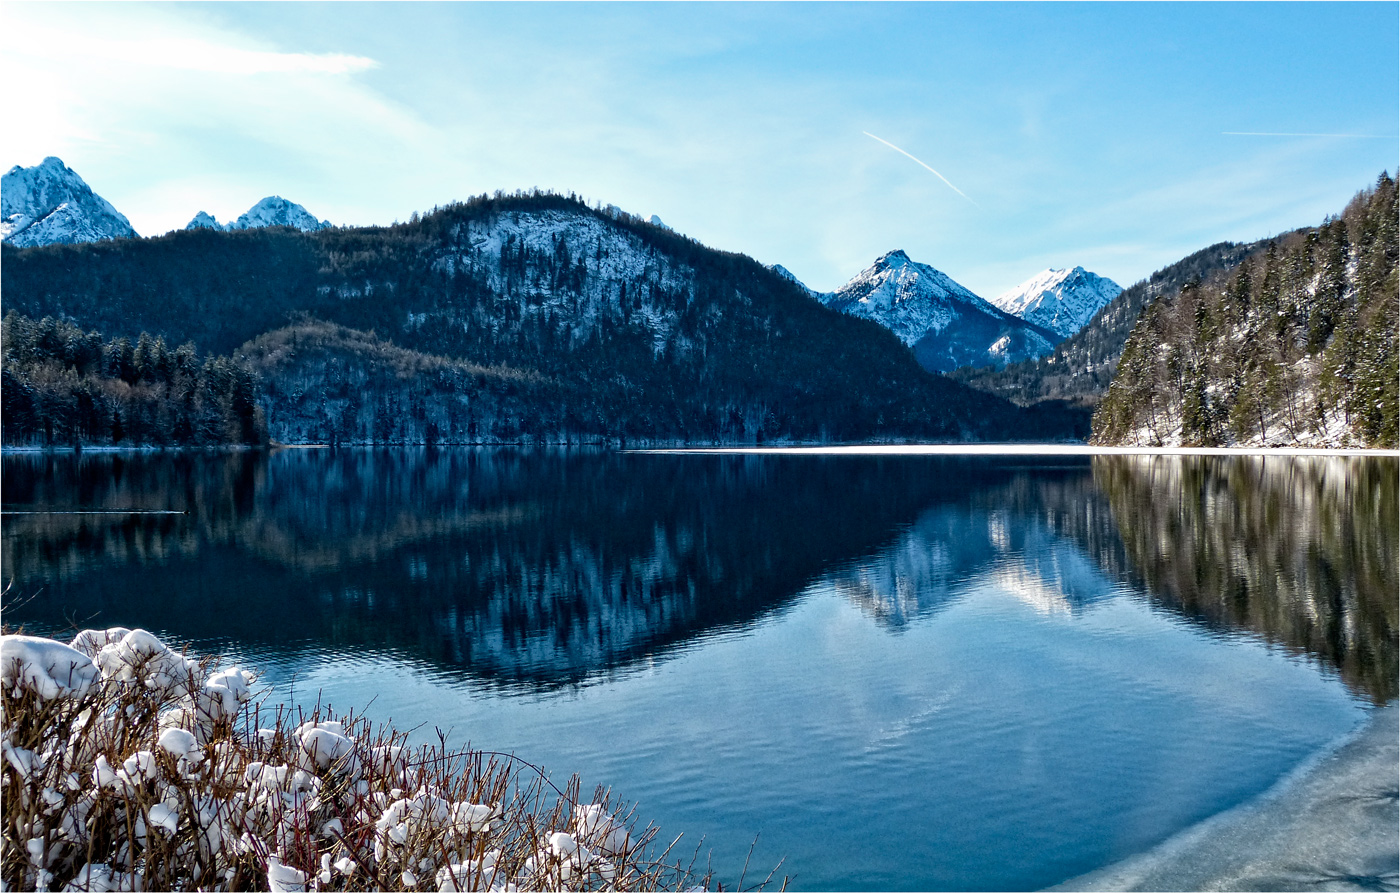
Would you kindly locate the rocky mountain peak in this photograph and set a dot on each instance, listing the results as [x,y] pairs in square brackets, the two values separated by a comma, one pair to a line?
[1062,301]
[50,204]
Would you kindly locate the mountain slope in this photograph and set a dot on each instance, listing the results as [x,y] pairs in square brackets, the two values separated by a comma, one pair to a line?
[1297,346]
[1062,301]
[946,324]
[647,334]
[1080,368]
[49,204]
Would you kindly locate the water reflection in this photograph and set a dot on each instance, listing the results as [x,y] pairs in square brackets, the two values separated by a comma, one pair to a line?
[542,568]
[1300,551]
[531,567]
[951,550]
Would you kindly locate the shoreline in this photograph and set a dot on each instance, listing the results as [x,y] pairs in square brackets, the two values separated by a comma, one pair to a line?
[868,449]
[1025,449]
[1330,824]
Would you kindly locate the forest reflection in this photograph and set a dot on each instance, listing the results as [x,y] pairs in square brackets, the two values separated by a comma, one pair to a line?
[1300,551]
[538,568]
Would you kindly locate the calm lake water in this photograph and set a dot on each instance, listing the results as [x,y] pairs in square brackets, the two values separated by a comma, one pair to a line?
[897,672]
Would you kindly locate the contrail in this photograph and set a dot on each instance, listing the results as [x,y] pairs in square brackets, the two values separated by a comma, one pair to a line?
[920,163]
[1351,136]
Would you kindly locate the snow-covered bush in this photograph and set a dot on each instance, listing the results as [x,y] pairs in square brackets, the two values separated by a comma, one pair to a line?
[130,766]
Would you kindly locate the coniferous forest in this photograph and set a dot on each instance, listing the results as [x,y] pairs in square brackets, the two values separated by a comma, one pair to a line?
[1295,345]
[538,318]
[64,387]
[514,318]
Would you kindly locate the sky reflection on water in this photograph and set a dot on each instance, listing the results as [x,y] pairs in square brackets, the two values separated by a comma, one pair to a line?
[903,672]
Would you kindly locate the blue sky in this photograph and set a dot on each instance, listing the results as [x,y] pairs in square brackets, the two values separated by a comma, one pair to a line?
[1092,134]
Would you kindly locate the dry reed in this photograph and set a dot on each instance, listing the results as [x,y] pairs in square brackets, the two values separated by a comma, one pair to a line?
[130,766]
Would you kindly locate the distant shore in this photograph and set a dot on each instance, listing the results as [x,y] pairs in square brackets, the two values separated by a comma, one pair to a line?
[1331,824]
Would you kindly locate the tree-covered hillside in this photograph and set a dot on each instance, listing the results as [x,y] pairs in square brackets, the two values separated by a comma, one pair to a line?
[65,387]
[1079,370]
[1298,345]
[643,334]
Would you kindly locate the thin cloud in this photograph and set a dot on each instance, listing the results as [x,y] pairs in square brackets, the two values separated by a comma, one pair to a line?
[920,163]
[171,46]
[1349,136]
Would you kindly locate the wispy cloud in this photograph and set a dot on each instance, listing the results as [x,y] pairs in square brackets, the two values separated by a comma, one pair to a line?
[197,54]
[1347,136]
[918,162]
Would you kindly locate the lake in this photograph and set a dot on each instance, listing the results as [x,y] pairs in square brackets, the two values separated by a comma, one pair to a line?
[893,672]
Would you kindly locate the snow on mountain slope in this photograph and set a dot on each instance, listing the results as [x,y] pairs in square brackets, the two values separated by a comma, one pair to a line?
[612,270]
[203,220]
[271,211]
[50,204]
[1062,301]
[946,324]
[277,211]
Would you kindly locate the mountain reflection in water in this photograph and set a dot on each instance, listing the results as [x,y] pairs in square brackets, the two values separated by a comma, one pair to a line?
[541,568]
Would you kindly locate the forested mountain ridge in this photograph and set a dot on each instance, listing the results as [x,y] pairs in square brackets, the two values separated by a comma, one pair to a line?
[641,333]
[1297,346]
[1080,368]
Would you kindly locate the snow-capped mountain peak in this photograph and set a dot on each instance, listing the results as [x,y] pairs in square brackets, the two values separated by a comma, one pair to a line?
[945,323]
[50,204]
[277,211]
[271,211]
[909,298]
[203,220]
[1062,301]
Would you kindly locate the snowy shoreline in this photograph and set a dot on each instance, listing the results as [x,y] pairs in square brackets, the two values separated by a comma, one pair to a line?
[1026,449]
[1330,824]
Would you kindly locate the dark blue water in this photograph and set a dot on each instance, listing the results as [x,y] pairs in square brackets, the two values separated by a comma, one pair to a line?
[894,672]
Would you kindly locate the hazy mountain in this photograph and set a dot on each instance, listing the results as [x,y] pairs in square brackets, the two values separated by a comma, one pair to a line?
[49,204]
[946,324]
[1059,300]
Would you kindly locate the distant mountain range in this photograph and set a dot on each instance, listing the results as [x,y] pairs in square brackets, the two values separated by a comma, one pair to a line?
[948,326]
[537,316]
[944,323]
[271,211]
[530,317]
[49,204]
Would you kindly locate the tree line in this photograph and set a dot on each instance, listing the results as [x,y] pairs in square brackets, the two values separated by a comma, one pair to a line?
[1296,345]
[63,386]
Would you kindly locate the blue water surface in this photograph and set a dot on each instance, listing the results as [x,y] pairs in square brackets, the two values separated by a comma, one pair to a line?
[925,675]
